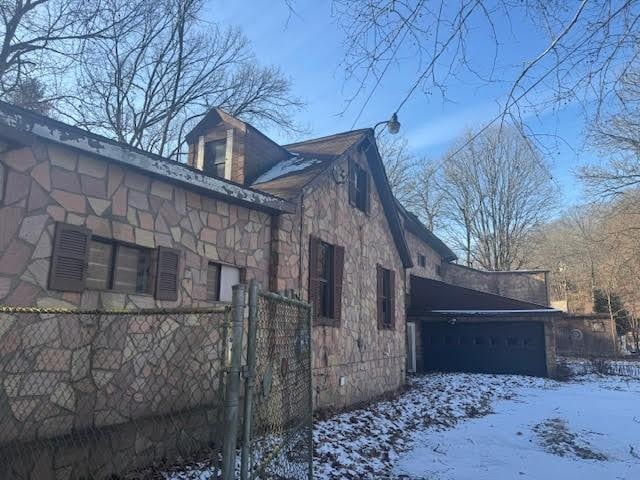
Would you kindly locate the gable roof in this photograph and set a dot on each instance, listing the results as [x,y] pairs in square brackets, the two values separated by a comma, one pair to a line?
[216,115]
[18,124]
[413,225]
[312,158]
[306,160]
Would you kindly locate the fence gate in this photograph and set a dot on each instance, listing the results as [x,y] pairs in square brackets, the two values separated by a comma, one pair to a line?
[277,429]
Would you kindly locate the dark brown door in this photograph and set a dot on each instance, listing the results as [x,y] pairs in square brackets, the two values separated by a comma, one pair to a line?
[487,347]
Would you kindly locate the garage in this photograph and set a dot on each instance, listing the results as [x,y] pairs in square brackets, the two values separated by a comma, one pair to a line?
[484,347]
[458,329]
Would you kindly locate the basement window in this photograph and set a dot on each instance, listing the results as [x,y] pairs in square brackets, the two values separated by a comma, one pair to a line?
[215,154]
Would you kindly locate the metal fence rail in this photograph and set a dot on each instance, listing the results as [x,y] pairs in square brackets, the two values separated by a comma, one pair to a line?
[90,394]
[281,441]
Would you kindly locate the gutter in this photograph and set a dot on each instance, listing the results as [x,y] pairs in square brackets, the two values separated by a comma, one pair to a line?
[21,124]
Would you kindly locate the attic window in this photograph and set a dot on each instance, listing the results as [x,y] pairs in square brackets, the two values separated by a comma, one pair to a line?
[215,153]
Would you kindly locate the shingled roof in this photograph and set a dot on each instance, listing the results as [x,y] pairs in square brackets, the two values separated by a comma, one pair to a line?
[308,159]
[311,158]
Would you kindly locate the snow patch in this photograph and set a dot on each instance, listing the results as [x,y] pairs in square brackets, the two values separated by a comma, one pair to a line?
[286,167]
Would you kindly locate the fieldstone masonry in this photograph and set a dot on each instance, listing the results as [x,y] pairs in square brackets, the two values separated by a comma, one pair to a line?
[120,376]
[355,361]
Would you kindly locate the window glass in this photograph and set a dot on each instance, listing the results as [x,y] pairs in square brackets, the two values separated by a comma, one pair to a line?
[422,260]
[360,187]
[99,269]
[229,276]
[213,282]
[114,266]
[214,157]
[386,298]
[325,279]
[131,269]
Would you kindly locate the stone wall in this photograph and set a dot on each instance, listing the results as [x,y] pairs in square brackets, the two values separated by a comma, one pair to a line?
[586,335]
[433,261]
[46,183]
[356,361]
[526,285]
[60,373]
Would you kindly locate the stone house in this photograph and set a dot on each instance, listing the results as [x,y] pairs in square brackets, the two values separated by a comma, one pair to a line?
[316,217]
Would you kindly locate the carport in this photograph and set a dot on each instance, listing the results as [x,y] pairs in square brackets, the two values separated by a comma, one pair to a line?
[462,330]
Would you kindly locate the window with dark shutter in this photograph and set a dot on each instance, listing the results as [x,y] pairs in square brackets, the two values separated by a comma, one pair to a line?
[385,297]
[69,260]
[326,266]
[167,274]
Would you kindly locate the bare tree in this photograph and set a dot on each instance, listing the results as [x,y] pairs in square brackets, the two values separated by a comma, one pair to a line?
[400,165]
[587,48]
[38,36]
[147,82]
[617,135]
[498,189]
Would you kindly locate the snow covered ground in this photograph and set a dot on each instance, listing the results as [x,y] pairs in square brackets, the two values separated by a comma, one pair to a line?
[461,426]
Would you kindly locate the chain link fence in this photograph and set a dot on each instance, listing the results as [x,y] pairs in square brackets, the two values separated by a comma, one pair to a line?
[94,394]
[157,393]
[281,441]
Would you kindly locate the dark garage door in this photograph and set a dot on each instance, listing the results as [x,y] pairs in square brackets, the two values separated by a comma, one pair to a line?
[487,347]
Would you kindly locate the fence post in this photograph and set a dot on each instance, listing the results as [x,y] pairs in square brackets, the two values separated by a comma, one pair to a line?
[310,381]
[249,381]
[232,392]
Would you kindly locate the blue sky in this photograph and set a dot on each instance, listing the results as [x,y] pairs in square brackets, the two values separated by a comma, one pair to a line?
[308,46]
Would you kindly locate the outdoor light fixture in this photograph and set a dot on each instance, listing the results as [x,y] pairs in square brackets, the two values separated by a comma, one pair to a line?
[393,125]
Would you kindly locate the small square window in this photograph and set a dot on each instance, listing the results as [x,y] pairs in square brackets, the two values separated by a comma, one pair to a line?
[422,260]
[220,281]
[478,340]
[597,327]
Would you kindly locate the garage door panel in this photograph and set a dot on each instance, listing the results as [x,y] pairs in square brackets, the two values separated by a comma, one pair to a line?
[487,347]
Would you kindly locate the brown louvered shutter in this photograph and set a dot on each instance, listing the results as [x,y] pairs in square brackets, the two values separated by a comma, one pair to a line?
[314,298]
[379,294]
[338,269]
[167,274]
[69,258]
[392,298]
[352,182]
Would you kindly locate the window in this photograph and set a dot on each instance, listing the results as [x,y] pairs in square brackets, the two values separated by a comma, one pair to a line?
[597,327]
[386,298]
[115,266]
[220,281]
[478,340]
[80,261]
[358,187]
[439,270]
[215,154]
[422,260]
[326,264]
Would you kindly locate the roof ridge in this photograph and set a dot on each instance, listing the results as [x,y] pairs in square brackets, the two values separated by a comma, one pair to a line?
[326,137]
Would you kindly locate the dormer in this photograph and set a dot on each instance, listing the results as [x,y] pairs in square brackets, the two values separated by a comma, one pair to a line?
[226,147]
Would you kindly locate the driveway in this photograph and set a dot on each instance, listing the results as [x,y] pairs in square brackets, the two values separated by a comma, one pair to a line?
[461,426]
